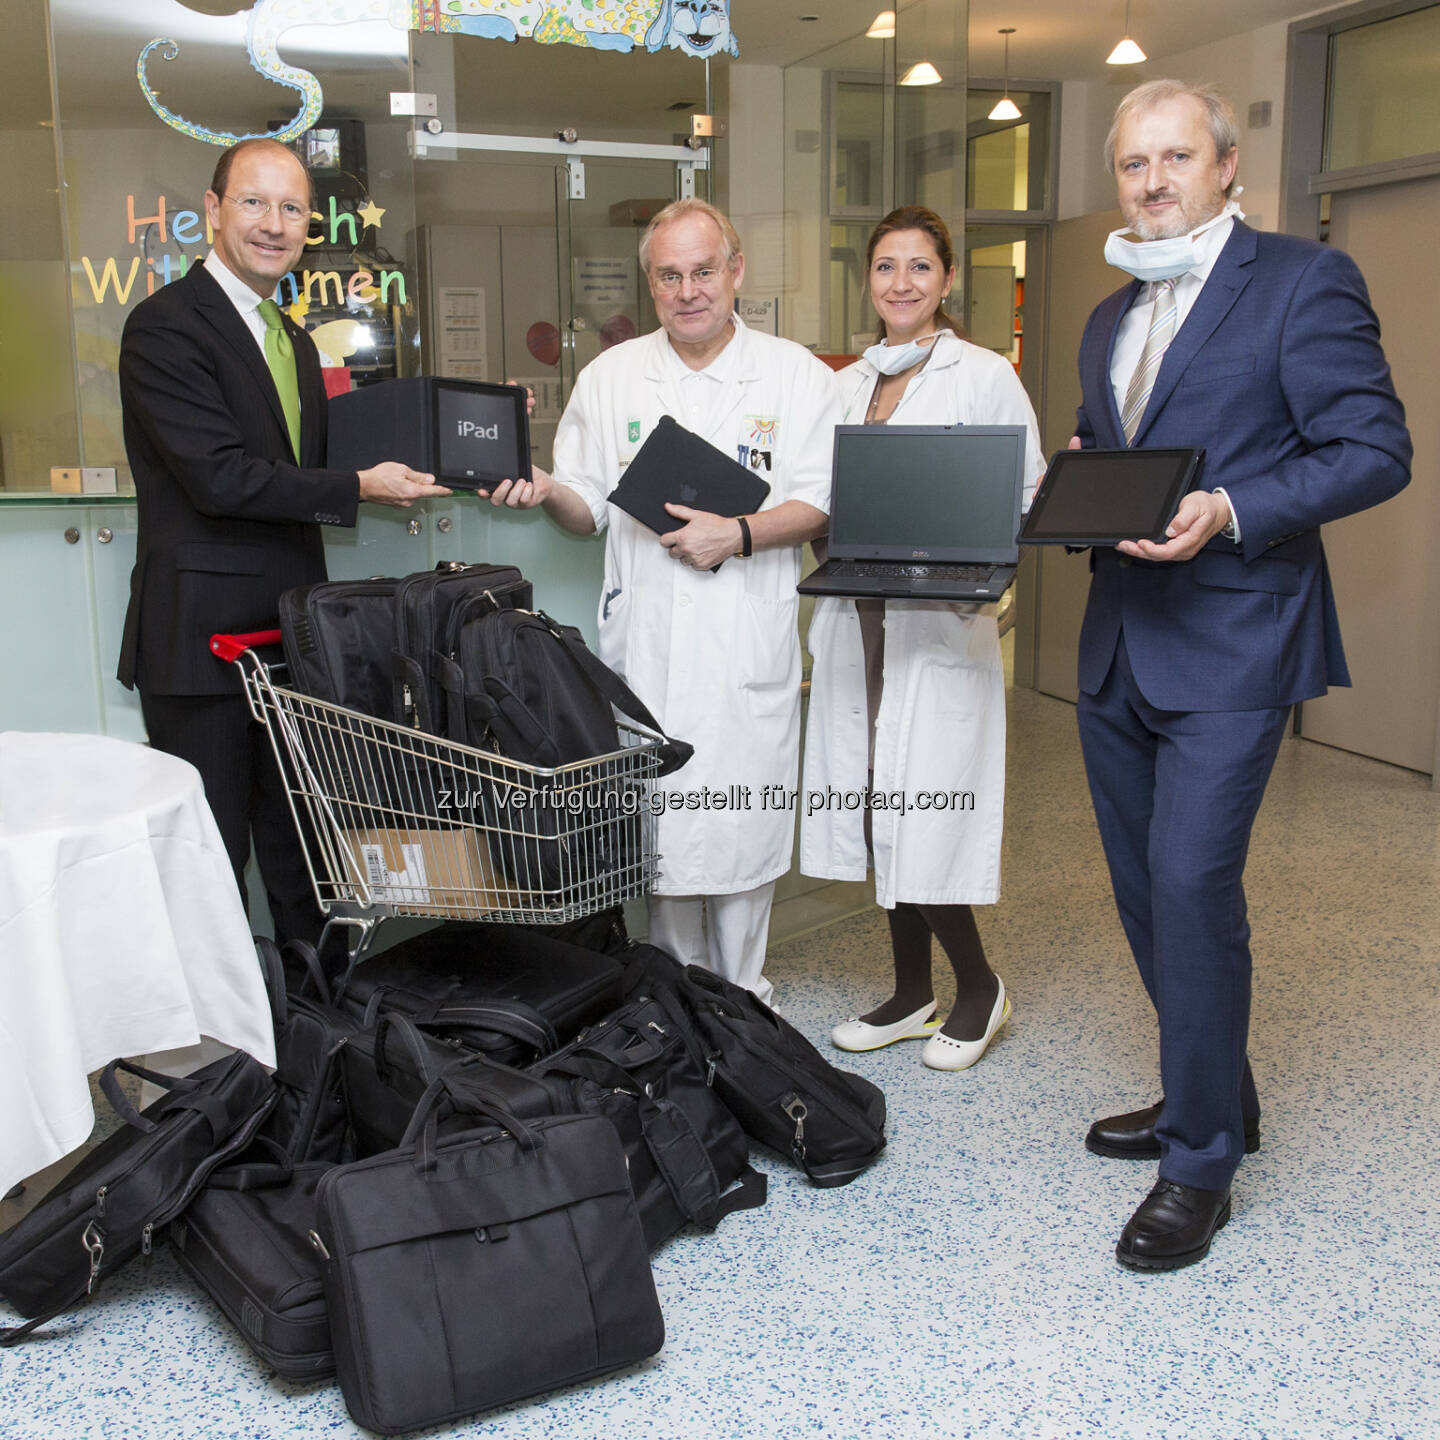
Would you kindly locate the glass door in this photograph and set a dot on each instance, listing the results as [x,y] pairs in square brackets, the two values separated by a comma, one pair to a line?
[609,300]
[527,260]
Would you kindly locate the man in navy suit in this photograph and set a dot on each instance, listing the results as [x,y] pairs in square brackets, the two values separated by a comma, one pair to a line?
[229,505]
[1264,350]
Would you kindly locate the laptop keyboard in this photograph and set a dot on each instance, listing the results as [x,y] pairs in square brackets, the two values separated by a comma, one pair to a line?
[956,574]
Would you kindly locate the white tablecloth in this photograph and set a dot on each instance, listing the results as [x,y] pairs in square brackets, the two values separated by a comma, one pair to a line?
[121,931]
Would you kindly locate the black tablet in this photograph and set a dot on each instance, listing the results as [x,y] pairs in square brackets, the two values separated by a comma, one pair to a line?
[482,434]
[469,434]
[675,464]
[1101,497]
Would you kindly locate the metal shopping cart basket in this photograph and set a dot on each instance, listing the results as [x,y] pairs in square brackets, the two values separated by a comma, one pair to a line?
[396,821]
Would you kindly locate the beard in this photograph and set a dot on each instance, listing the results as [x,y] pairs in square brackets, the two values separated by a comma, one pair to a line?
[1182,222]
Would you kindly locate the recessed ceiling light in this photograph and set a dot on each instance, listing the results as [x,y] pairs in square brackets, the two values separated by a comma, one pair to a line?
[809,17]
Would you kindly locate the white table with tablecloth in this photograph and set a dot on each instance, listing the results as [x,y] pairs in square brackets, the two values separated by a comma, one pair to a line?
[121,931]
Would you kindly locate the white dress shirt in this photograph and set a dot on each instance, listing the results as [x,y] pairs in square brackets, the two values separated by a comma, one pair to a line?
[242,297]
[1135,324]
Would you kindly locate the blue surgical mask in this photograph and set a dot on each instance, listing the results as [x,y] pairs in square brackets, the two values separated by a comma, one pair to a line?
[892,359]
[1161,259]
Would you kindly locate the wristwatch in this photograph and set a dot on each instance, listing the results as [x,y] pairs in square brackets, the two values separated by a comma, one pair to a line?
[1228,529]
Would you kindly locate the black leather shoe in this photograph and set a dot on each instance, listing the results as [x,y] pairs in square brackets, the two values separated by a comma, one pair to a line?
[1173,1227]
[1132,1136]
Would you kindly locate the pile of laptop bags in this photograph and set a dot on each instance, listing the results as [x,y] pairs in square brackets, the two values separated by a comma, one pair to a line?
[460,652]
[448,1192]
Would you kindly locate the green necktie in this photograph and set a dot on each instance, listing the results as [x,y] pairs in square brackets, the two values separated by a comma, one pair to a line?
[280,357]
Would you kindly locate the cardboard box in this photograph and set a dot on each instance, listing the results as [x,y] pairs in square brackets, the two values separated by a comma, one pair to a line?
[433,872]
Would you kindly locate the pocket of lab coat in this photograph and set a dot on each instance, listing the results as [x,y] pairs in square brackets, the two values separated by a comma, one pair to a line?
[767,652]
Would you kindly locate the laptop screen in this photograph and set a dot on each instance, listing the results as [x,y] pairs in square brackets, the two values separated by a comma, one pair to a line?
[946,493]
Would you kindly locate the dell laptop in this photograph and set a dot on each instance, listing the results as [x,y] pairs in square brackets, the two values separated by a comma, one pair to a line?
[923,512]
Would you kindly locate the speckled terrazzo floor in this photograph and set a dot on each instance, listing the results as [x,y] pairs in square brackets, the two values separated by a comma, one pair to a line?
[966,1286]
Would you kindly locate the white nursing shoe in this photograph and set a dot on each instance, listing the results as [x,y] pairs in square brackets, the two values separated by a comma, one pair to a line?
[943,1053]
[854,1035]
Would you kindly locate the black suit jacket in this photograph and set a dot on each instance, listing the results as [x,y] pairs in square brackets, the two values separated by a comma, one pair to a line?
[227,517]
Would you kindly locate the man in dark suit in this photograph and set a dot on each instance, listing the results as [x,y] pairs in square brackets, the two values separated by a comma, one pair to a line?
[232,492]
[1264,350]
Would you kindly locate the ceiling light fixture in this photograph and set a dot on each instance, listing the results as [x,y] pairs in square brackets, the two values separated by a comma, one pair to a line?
[1005,107]
[921,73]
[1127,52]
[882,27]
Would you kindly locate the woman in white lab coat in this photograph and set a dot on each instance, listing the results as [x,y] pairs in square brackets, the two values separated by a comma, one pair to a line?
[907,701]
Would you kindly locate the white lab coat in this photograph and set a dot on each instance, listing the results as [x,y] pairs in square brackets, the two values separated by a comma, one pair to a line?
[715,656]
[941,723]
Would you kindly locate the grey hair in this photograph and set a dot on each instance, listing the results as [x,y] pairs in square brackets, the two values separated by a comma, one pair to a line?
[1218,114]
[680,210]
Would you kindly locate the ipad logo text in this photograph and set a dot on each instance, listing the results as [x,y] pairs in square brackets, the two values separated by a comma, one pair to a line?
[468,429]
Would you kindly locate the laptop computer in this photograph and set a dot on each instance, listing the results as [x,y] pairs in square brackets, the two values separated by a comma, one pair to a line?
[923,512]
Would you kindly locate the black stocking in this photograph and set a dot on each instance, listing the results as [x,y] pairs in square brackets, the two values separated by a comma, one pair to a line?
[976,986]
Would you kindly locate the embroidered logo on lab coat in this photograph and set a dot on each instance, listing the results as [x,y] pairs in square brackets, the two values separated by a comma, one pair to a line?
[633,431]
[758,454]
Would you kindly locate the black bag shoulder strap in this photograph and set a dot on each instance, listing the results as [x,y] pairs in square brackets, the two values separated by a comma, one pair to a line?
[392,1022]
[17,1333]
[673,753]
[273,968]
[252,1173]
[750,1191]
[309,958]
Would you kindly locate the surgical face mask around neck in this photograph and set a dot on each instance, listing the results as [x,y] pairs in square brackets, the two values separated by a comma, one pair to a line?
[892,359]
[1162,259]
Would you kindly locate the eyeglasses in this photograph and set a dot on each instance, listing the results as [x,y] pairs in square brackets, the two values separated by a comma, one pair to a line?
[668,282]
[255,207]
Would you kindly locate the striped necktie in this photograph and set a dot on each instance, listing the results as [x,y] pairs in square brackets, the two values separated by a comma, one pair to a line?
[1157,342]
[280,357]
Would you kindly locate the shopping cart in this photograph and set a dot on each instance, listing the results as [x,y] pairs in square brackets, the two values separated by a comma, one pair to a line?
[396,821]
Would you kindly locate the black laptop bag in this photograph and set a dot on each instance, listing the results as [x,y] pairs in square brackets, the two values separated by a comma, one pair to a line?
[684,1149]
[780,1088]
[308,1121]
[339,636]
[513,994]
[374,645]
[246,1242]
[388,1066]
[469,1271]
[115,1202]
[430,608]
[528,688]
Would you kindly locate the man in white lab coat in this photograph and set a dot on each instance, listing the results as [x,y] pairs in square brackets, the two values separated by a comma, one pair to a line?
[716,656]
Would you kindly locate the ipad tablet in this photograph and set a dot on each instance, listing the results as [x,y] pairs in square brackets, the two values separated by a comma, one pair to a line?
[482,434]
[469,434]
[1101,497]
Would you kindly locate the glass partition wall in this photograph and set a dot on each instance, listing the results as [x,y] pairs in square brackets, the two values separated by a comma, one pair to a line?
[39,426]
[861,138]
[420,258]
[431,256]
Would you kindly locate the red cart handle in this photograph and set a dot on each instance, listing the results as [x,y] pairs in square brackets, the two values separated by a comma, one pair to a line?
[231,647]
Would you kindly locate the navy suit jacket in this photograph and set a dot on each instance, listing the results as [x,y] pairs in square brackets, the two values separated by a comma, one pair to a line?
[227,517]
[1277,372]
